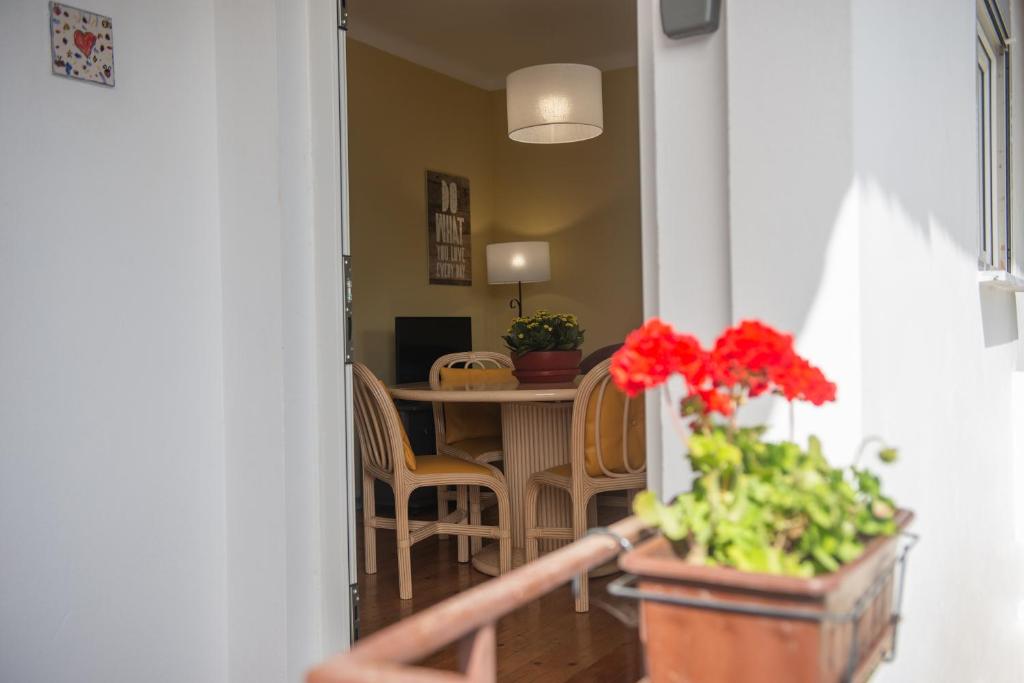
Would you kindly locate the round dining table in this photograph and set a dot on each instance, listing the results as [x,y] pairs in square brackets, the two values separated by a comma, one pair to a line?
[535,431]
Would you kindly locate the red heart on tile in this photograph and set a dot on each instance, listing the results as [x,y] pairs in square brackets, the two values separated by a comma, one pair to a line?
[85,41]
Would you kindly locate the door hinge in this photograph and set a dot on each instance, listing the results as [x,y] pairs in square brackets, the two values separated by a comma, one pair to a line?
[353,596]
[346,266]
[342,15]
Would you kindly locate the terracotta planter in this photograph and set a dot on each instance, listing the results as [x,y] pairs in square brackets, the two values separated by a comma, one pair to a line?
[701,624]
[546,366]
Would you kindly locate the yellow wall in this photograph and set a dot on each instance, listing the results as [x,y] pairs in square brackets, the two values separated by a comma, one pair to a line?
[403,120]
[584,198]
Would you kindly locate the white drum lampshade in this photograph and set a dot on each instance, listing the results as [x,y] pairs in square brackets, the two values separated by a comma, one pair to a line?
[516,263]
[554,103]
[512,262]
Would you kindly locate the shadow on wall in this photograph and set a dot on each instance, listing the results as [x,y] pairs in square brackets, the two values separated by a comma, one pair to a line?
[931,364]
[853,201]
[893,312]
[805,280]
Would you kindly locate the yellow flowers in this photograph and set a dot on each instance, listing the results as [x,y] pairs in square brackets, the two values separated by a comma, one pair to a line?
[544,331]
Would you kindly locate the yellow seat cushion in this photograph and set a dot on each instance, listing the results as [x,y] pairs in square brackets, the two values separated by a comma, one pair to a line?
[446,464]
[463,421]
[410,457]
[474,448]
[613,403]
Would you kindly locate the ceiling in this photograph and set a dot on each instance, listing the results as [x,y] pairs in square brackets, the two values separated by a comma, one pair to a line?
[481,41]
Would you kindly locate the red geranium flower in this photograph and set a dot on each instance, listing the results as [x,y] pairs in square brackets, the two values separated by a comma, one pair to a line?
[751,354]
[652,354]
[707,401]
[748,359]
[802,381]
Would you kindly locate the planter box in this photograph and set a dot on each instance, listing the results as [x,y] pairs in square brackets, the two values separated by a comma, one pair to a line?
[721,625]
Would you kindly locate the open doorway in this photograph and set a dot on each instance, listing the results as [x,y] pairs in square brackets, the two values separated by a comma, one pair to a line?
[427,123]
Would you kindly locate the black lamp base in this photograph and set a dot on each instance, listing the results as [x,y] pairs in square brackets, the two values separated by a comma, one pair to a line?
[516,302]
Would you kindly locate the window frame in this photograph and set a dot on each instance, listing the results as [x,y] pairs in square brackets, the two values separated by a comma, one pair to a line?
[995,229]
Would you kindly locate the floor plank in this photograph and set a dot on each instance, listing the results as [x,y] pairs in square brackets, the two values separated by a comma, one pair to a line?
[544,642]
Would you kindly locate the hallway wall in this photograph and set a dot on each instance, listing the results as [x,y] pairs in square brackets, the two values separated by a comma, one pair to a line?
[403,120]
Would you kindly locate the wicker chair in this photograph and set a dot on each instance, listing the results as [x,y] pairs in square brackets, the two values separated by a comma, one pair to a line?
[620,468]
[483,449]
[386,455]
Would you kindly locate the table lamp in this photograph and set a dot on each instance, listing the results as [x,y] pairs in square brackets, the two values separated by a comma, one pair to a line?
[518,262]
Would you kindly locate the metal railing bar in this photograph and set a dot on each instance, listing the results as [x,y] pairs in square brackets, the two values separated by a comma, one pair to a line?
[624,587]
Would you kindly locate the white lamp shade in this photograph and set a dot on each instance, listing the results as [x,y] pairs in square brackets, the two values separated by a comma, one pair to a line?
[553,103]
[509,262]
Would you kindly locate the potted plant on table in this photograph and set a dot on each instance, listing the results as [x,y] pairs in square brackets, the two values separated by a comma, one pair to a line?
[545,347]
[775,566]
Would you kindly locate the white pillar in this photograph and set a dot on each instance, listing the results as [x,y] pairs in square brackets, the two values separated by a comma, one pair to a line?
[684,179]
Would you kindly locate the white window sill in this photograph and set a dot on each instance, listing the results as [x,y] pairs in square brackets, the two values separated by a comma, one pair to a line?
[999,279]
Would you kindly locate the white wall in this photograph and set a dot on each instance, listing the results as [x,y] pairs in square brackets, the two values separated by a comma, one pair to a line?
[172,496]
[112,522]
[851,221]
[939,352]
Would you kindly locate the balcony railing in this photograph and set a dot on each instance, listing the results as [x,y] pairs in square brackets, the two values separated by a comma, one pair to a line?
[469,619]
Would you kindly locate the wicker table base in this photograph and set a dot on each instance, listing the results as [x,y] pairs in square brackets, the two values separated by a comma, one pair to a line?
[536,421]
[535,437]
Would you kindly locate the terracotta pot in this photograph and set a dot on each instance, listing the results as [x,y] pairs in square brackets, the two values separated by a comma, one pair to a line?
[695,644]
[546,366]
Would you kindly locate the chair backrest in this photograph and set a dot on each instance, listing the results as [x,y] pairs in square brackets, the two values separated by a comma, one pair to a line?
[378,425]
[607,428]
[465,359]
[595,357]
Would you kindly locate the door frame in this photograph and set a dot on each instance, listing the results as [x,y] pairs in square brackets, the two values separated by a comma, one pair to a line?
[328,131]
[335,314]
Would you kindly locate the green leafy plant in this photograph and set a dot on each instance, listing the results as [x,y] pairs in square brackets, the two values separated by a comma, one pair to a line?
[754,505]
[544,331]
[770,507]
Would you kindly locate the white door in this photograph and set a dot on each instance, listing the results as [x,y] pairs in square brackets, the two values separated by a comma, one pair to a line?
[346,255]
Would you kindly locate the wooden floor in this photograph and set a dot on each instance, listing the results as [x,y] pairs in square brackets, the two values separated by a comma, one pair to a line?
[545,642]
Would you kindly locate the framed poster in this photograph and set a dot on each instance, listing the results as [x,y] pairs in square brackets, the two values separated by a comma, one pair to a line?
[449,249]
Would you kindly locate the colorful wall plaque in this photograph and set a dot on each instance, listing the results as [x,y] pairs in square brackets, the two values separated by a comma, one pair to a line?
[81,44]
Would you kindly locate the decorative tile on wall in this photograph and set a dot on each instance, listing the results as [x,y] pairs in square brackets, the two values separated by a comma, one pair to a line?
[81,44]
